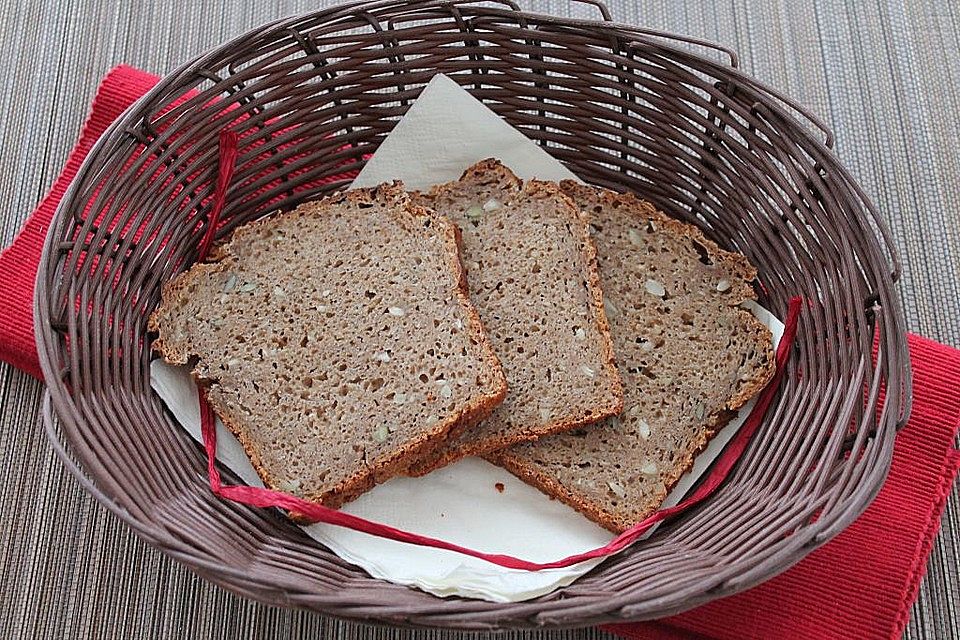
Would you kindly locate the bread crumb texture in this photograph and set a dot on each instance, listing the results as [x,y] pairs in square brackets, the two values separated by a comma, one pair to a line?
[532,273]
[336,341]
[689,355]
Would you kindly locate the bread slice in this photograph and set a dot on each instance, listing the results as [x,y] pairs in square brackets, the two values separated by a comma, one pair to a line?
[532,272]
[688,353]
[336,341]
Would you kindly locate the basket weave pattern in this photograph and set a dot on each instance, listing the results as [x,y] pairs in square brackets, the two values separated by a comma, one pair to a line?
[622,107]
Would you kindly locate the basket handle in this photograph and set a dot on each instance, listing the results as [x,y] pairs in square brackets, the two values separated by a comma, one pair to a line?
[814,120]
[823,127]
[606,16]
[600,6]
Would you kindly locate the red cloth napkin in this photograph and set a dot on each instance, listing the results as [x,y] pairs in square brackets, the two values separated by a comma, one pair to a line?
[860,585]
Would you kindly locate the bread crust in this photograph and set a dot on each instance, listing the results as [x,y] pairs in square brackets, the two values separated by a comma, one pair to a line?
[478,407]
[737,264]
[593,511]
[493,170]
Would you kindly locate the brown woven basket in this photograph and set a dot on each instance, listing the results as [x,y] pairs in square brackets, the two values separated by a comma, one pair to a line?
[622,107]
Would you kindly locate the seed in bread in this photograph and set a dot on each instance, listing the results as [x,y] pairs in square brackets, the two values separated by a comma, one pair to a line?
[531,268]
[688,353]
[336,341]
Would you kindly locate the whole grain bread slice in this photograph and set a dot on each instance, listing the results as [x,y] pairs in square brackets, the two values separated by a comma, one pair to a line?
[531,267]
[336,341]
[688,353]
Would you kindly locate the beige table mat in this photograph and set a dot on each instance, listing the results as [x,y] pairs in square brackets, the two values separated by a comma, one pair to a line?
[884,73]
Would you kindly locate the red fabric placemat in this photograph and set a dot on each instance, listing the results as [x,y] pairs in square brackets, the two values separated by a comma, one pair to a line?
[18,262]
[860,585]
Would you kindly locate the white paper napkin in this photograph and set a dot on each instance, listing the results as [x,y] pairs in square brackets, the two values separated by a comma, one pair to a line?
[445,131]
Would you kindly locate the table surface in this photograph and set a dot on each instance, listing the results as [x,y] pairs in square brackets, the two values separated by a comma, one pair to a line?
[883,73]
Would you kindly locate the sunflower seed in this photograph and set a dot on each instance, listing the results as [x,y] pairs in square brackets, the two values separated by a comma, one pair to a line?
[618,489]
[649,468]
[491,205]
[654,287]
[643,428]
[610,308]
[635,237]
[723,285]
[230,284]
[382,433]
[289,486]
[396,311]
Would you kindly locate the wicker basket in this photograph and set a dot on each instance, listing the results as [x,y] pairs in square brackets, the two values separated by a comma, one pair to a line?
[622,107]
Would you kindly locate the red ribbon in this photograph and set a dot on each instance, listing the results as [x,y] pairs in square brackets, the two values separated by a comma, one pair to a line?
[228,162]
[259,497]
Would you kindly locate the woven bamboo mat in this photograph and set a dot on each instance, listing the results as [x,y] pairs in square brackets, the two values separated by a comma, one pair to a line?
[884,73]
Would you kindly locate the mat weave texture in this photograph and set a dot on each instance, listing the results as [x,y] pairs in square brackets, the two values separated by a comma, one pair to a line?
[884,74]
